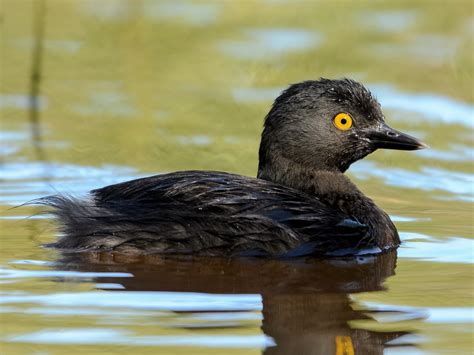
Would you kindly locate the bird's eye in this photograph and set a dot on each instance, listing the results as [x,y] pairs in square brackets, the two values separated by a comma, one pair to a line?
[342,121]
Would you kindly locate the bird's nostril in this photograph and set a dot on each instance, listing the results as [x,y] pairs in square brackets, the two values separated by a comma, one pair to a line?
[391,134]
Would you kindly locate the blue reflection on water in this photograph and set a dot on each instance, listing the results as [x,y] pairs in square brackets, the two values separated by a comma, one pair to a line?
[425,248]
[171,301]
[106,103]
[19,274]
[428,179]
[460,154]
[25,181]
[61,46]
[433,107]
[193,14]
[21,101]
[433,49]
[9,142]
[387,21]
[194,140]
[271,42]
[428,314]
[123,337]
[251,95]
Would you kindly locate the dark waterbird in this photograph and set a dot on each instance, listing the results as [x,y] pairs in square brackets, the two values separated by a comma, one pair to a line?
[301,203]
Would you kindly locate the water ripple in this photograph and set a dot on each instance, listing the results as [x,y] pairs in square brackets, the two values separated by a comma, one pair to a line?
[171,301]
[271,42]
[428,179]
[428,105]
[122,337]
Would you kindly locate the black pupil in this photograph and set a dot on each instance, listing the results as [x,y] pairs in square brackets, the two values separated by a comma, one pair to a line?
[343,121]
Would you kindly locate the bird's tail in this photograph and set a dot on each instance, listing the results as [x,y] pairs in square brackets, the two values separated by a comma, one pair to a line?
[79,222]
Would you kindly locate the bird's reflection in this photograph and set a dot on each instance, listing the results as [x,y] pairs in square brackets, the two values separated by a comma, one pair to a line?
[306,303]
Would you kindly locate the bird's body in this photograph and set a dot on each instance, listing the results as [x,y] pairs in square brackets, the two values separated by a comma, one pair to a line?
[301,203]
[215,213]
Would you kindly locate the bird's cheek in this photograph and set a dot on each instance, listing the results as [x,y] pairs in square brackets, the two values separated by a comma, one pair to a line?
[362,142]
[359,142]
[362,148]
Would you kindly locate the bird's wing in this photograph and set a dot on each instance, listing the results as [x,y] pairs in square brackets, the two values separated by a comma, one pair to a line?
[220,210]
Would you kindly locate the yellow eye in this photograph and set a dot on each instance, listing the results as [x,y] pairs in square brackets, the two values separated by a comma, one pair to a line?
[342,121]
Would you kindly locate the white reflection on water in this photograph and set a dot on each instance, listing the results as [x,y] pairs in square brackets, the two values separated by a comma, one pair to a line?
[408,219]
[271,42]
[107,10]
[20,274]
[106,103]
[25,181]
[110,315]
[64,46]
[32,262]
[13,142]
[170,301]
[428,179]
[40,170]
[219,316]
[387,21]
[195,140]
[109,286]
[433,107]
[88,311]
[193,14]
[428,314]
[251,95]
[433,49]
[123,337]
[12,136]
[404,350]
[450,250]
[457,154]
[10,142]
[21,101]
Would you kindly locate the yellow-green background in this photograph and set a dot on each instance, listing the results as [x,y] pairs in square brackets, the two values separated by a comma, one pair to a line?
[126,83]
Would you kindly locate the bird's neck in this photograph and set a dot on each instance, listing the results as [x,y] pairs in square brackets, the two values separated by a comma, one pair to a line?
[320,182]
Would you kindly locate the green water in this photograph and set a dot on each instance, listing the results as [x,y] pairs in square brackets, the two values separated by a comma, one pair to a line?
[133,88]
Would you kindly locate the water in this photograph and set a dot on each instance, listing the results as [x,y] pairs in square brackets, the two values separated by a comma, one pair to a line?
[133,88]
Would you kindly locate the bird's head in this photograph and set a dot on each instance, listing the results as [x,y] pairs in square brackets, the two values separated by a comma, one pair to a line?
[326,125]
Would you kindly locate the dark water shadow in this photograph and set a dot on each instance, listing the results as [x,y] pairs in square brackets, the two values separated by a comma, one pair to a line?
[306,303]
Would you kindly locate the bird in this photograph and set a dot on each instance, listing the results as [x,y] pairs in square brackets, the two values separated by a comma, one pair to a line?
[300,204]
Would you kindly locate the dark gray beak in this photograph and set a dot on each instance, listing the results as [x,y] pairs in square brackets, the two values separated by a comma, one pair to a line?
[385,137]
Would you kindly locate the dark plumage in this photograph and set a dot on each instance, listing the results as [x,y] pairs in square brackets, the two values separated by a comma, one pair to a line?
[300,204]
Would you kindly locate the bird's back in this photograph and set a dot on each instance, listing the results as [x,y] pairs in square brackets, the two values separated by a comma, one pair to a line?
[207,213]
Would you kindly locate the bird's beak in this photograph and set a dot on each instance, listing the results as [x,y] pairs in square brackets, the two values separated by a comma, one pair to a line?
[385,137]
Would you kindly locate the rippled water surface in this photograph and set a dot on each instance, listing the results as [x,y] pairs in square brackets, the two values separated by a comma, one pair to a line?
[133,88]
